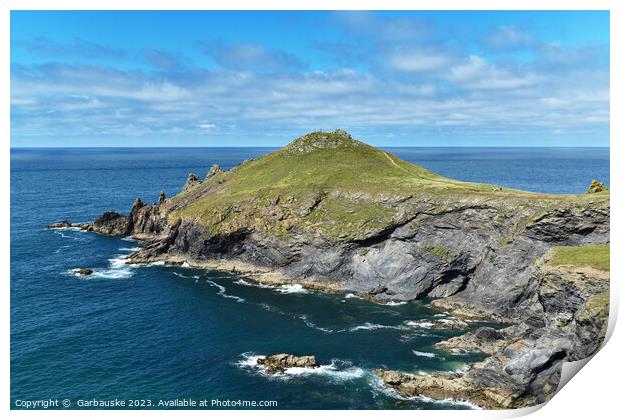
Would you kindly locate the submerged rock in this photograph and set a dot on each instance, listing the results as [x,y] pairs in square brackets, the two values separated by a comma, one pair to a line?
[83,271]
[278,363]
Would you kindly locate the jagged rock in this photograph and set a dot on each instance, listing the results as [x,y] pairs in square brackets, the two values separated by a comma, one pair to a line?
[112,223]
[59,225]
[278,363]
[192,181]
[83,271]
[162,197]
[596,187]
[215,169]
[450,324]
[482,340]
[137,204]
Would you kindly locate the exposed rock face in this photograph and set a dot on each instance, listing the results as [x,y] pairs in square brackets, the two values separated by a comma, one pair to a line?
[278,363]
[596,187]
[192,181]
[525,359]
[215,169]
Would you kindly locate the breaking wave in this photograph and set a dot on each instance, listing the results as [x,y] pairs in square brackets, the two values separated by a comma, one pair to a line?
[117,270]
[132,249]
[291,288]
[184,276]
[222,292]
[424,354]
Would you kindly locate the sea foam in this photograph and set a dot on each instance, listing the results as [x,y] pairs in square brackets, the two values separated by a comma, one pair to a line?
[222,292]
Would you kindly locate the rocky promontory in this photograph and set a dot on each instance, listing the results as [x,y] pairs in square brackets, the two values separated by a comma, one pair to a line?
[332,213]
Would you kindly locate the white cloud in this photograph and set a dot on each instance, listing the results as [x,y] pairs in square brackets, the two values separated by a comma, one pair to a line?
[477,73]
[418,61]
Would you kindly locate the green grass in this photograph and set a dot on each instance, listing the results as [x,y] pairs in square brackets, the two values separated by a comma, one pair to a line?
[441,252]
[595,256]
[352,180]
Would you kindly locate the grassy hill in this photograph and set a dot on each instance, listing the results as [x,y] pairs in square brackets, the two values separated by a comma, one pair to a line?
[329,183]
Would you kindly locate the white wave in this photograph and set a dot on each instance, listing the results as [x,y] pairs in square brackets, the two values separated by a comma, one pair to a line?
[419,324]
[129,239]
[446,401]
[351,296]
[132,249]
[69,228]
[185,265]
[59,250]
[185,277]
[332,371]
[291,288]
[371,326]
[310,324]
[423,354]
[58,232]
[222,292]
[393,303]
[337,370]
[252,284]
[117,270]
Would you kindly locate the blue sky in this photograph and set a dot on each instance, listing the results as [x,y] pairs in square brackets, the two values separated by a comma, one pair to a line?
[263,78]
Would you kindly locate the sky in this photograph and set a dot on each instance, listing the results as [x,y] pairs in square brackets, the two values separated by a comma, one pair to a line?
[222,79]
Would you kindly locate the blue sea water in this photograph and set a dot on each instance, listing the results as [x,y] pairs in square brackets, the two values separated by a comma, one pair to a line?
[164,333]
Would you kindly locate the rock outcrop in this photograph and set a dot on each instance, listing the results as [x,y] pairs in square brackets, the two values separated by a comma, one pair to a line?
[215,169]
[83,271]
[59,225]
[278,363]
[192,182]
[596,187]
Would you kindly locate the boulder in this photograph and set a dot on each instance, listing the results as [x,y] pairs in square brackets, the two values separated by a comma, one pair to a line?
[162,197]
[83,271]
[278,363]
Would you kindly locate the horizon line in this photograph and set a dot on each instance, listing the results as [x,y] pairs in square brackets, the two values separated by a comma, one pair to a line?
[279,147]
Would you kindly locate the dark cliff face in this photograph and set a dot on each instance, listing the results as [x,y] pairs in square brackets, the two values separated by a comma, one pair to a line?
[470,254]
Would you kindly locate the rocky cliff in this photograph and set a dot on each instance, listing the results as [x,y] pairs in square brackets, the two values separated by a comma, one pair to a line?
[335,214]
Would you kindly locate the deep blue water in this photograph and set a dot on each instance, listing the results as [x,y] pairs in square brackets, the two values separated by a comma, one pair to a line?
[166,333]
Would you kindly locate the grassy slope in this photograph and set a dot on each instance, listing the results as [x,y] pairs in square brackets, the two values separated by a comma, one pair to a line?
[595,256]
[277,191]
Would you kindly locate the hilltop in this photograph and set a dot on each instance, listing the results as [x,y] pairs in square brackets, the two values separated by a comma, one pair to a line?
[332,184]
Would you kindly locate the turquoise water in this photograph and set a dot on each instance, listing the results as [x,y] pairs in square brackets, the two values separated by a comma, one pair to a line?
[165,333]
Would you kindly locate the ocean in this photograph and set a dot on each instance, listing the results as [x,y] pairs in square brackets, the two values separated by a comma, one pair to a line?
[171,334]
